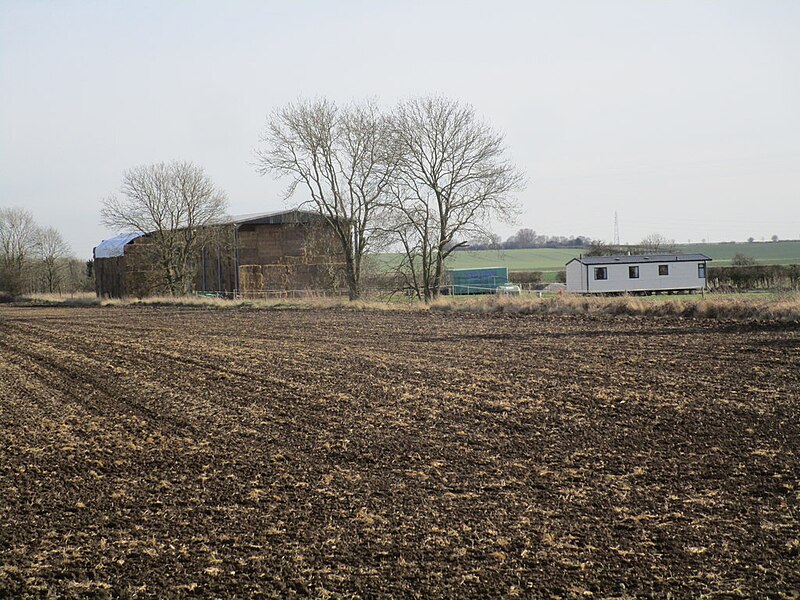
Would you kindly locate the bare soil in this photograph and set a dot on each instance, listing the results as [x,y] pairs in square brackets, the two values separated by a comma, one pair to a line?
[190,452]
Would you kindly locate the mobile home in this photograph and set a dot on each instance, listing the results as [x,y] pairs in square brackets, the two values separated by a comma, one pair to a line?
[652,273]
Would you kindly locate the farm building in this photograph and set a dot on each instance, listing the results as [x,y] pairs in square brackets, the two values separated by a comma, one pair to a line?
[637,274]
[249,255]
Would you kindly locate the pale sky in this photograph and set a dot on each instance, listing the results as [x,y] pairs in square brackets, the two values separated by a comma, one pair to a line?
[683,117]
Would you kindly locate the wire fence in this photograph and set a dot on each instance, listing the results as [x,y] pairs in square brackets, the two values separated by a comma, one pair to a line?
[288,294]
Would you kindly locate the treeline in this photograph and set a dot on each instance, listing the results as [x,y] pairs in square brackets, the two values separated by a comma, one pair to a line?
[755,277]
[35,259]
[528,238]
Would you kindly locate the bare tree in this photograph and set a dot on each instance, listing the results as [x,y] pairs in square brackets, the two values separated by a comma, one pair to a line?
[601,248]
[341,157]
[18,239]
[656,243]
[173,203]
[524,238]
[452,180]
[78,275]
[53,253]
[742,260]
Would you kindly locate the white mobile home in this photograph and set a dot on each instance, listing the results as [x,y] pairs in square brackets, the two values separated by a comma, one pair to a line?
[637,274]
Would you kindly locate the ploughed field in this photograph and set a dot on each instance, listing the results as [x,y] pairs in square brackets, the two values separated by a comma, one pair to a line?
[168,451]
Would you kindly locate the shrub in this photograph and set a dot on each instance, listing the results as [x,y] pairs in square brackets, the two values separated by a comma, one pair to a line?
[753,277]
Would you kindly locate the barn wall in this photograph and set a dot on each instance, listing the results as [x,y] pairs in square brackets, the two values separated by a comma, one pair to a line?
[142,274]
[216,265]
[288,257]
[268,244]
[109,274]
[256,280]
[216,271]
[133,274]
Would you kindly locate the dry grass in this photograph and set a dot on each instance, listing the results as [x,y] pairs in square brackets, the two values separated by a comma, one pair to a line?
[73,299]
[318,302]
[784,307]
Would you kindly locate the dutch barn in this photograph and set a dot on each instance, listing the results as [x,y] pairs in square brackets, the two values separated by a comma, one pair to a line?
[249,255]
[652,273]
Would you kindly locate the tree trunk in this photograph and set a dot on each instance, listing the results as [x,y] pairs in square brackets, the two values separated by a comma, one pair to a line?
[351,276]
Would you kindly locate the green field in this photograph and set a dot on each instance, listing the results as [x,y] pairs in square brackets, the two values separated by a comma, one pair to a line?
[552,260]
[765,253]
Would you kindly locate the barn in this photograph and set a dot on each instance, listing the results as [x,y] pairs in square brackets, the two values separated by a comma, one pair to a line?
[254,255]
[651,273]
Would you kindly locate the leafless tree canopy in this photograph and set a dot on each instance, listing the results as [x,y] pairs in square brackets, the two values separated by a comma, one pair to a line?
[18,240]
[36,259]
[52,250]
[172,203]
[452,178]
[655,243]
[342,158]
[427,176]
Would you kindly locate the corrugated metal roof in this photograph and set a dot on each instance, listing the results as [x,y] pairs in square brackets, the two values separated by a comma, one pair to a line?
[639,258]
[274,217]
[115,246]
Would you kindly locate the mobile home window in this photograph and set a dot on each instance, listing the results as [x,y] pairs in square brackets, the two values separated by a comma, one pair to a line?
[663,269]
[633,272]
[601,273]
[701,270]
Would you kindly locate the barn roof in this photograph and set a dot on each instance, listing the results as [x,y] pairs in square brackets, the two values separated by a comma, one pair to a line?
[114,246]
[638,259]
[294,215]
